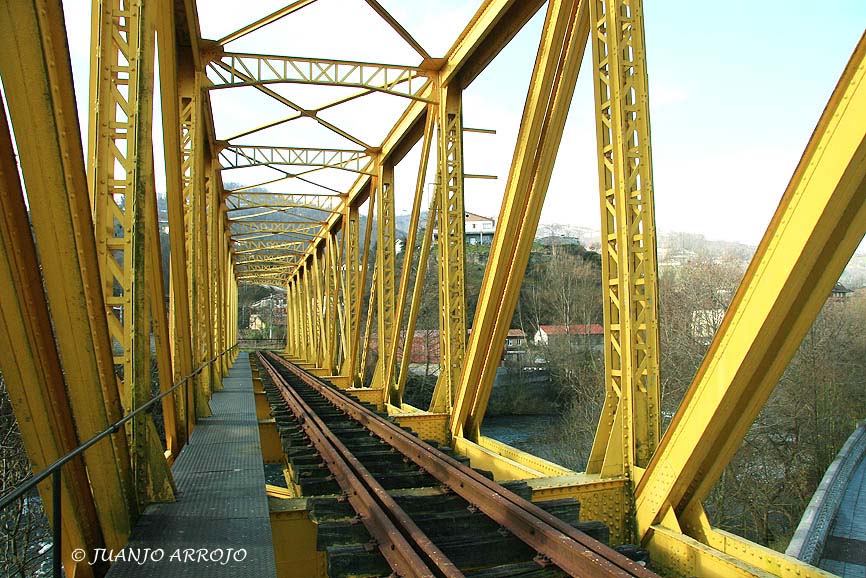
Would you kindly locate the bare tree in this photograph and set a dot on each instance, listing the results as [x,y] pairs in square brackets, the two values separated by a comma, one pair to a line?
[24,535]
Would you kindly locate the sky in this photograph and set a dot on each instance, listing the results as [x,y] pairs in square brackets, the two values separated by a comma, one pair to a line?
[735,90]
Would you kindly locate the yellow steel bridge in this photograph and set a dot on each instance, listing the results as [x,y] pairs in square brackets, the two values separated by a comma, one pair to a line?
[84,310]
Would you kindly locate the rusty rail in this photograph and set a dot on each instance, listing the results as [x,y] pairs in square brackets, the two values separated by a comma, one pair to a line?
[381,517]
[570,549]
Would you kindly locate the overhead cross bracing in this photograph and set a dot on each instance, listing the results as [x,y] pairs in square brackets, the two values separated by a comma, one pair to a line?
[308,93]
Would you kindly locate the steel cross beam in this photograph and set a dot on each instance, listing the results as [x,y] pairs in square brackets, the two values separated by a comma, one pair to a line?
[242,156]
[238,69]
[274,227]
[280,202]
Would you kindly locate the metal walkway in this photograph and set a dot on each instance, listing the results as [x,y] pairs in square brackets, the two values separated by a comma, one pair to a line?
[845,550]
[221,501]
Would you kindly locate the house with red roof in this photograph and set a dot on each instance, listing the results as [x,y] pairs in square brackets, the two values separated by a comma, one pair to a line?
[580,335]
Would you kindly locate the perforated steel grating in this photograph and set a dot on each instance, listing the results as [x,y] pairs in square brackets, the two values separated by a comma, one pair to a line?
[221,502]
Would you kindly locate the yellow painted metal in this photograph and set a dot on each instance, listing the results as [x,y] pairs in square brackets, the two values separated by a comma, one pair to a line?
[338,336]
[540,465]
[121,180]
[318,303]
[685,556]
[355,343]
[482,458]
[365,346]
[550,89]
[172,69]
[269,19]
[628,429]
[238,156]
[394,393]
[159,320]
[417,290]
[818,225]
[294,537]
[31,366]
[37,79]
[717,547]
[351,241]
[606,500]
[195,199]
[214,240]
[385,274]
[452,259]
[272,448]
[242,69]
[311,321]
[428,426]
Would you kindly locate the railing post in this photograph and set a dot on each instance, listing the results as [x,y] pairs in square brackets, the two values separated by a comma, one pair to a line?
[57,516]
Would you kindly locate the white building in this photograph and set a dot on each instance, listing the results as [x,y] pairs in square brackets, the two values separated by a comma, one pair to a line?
[478,229]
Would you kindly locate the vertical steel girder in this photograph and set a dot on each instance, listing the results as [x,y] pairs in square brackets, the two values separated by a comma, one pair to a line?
[351,261]
[815,231]
[37,77]
[551,87]
[171,69]
[31,366]
[452,259]
[159,317]
[121,180]
[628,429]
[334,272]
[318,317]
[385,271]
[215,236]
[309,313]
[415,307]
[195,201]
[356,346]
[395,395]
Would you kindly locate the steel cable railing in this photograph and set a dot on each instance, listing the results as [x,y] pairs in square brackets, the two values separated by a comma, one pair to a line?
[55,469]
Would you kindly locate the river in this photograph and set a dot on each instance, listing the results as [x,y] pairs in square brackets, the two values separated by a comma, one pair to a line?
[535,434]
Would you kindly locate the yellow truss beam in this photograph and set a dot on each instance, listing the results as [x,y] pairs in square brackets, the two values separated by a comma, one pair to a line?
[230,69]
[551,87]
[628,428]
[491,28]
[37,78]
[452,259]
[818,225]
[122,180]
[174,69]
[242,156]
[31,366]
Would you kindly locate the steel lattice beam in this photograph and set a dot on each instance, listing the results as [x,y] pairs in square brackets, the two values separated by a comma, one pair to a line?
[241,156]
[237,69]
[628,430]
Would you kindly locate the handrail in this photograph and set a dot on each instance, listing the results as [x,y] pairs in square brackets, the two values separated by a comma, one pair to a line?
[112,429]
[812,532]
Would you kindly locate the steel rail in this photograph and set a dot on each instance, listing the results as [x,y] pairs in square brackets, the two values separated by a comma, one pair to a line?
[386,521]
[570,549]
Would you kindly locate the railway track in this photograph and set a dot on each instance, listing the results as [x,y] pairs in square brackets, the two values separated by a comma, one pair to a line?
[391,504]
